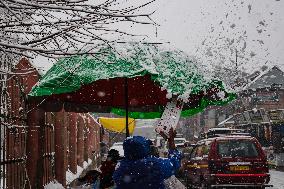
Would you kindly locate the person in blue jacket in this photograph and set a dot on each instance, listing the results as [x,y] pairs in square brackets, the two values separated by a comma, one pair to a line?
[140,170]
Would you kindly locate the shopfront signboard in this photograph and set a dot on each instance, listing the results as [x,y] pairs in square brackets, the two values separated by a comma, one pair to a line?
[276,116]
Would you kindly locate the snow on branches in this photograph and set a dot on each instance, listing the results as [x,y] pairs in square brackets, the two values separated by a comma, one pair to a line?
[58,28]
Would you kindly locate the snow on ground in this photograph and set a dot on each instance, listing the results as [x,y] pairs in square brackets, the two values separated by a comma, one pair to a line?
[71,176]
[277,179]
[53,185]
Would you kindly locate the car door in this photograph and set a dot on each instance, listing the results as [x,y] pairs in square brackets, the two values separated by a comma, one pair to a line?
[203,169]
[199,163]
[194,169]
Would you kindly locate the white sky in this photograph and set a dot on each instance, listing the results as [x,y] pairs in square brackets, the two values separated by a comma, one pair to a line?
[203,28]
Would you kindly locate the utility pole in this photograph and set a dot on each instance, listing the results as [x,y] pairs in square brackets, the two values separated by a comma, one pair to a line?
[236,58]
[238,74]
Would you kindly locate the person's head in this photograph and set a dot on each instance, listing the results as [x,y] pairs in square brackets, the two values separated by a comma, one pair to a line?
[136,147]
[113,155]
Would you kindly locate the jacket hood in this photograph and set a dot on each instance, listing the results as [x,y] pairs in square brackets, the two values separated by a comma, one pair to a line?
[136,147]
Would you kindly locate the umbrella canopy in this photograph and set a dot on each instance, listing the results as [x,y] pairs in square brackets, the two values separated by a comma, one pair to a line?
[151,74]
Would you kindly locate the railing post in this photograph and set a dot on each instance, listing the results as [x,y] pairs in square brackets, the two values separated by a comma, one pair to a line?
[80,141]
[36,120]
[73,142]
[60,135]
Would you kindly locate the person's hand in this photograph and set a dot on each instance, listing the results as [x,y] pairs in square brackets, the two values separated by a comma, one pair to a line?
[171,141]
[162,133]
[172,134]
[170,138]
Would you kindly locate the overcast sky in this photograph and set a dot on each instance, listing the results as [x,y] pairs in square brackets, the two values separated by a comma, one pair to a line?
[213,30]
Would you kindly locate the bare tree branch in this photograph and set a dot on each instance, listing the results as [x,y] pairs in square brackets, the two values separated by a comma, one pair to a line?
[64,27]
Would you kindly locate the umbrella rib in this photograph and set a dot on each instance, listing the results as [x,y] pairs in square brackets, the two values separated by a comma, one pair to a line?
[113,89]
[156,96]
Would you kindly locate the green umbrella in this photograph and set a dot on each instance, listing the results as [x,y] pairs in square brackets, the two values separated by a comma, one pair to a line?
[132,79]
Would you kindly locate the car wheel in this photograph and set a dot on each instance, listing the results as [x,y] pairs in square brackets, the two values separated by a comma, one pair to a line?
[204,186]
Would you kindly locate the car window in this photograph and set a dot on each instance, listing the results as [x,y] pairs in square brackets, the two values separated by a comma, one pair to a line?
[237,148]
[200,151]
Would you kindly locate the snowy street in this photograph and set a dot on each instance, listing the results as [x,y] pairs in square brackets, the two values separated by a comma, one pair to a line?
[277,179]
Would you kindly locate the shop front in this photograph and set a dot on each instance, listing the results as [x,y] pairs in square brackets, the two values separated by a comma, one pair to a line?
[277,136]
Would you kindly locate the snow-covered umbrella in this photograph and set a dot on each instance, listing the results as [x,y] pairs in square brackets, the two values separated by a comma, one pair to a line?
[132,79]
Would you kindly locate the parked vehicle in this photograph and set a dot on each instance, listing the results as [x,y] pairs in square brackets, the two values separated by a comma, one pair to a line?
[229,161]
[180,145]
[161,143]
[179,141]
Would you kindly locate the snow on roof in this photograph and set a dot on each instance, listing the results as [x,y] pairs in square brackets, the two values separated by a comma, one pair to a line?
[267,78]
[42,64]
[225,137]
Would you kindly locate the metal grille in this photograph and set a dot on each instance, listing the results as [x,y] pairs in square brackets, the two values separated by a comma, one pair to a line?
[13,132]
[13,157]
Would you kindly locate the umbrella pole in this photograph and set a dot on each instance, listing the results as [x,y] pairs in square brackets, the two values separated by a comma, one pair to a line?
[126,107]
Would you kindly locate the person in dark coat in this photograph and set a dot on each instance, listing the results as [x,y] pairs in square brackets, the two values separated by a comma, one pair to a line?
[107,168]
[141,170]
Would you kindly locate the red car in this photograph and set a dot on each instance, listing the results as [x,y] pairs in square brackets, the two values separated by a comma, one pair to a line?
[226,162]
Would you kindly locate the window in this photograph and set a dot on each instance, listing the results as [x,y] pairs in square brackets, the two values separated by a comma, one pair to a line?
[237,148]
[265,97]
[200,151]
[205,150]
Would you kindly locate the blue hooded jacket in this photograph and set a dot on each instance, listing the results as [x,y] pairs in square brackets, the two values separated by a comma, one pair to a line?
[140,170]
